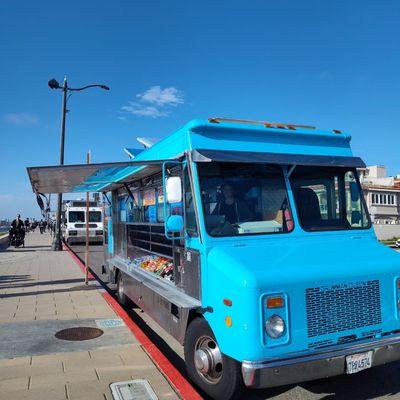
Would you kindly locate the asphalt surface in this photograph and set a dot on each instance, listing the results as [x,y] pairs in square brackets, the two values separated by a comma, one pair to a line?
[377,383]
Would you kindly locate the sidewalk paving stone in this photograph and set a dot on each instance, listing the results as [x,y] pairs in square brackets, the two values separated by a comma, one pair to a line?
[42,292]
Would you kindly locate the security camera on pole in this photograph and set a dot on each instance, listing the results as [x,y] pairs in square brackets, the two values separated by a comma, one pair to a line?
[53,84]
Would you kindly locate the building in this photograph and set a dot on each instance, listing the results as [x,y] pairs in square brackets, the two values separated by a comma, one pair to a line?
[382,195]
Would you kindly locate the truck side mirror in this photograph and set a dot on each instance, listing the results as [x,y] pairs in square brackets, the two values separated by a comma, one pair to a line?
[174,224]
[173,188]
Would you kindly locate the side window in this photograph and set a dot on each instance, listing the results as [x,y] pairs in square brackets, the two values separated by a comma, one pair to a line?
[133,208]
[191,225]
[122,208]
[355,212]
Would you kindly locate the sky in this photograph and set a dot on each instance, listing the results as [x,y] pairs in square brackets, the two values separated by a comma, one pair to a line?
[332,64]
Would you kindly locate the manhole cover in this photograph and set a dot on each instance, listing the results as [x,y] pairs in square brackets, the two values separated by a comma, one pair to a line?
[79,333]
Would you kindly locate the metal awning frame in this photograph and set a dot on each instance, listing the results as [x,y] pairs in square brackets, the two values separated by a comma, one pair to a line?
[205,155]
[105,184]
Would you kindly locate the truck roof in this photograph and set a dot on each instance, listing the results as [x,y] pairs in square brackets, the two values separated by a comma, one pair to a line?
[246,135]
[218,139]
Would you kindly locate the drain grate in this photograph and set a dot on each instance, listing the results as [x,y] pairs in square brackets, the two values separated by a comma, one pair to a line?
[79,333]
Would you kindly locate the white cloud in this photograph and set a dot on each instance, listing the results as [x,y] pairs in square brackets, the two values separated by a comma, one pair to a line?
[169,96]
[154,102]
[21,119]
[143,110]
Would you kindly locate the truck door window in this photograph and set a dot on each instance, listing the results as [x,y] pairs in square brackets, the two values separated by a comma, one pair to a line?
[190,216]
[328,199]
[244,199]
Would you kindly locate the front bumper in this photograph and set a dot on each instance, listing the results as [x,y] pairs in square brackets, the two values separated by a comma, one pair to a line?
[82,239]
[315,365]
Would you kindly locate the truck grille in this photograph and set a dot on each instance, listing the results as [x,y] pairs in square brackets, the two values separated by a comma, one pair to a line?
[341,307]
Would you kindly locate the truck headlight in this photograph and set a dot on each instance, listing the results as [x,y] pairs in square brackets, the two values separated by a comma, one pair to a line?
[275,326]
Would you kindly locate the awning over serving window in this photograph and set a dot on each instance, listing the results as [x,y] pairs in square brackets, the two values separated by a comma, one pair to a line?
[276,158]
[88,177]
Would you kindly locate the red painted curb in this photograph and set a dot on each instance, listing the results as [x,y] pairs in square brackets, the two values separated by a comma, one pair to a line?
[175,378]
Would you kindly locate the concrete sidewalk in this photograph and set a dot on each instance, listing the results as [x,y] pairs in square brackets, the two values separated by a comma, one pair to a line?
[42,292]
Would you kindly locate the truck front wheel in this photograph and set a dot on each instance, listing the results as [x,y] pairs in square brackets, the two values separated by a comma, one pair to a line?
[214,372]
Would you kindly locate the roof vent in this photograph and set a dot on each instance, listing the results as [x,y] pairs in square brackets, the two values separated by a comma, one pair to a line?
[267,124]
[147,142]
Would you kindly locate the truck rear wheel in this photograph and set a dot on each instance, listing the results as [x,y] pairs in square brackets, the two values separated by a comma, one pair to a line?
[122,297]
[217,374]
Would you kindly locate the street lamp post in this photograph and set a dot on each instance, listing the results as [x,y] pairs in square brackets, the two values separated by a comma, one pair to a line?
[53,84]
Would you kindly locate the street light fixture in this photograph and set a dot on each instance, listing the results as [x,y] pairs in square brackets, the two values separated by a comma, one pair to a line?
[53,84]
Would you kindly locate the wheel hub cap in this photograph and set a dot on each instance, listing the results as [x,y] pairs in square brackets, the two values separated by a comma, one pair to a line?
[201,361]
[208,360]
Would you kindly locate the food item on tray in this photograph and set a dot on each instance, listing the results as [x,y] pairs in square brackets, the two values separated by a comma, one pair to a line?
[157,265]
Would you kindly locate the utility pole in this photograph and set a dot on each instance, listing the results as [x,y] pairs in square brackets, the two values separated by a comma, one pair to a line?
[57,245]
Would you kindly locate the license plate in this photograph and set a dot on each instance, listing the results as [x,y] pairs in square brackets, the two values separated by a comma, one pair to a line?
[358,362]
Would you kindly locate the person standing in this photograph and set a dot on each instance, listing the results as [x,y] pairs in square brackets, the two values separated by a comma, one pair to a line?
[17,223]
[17,232]
[41,226]
[27,224]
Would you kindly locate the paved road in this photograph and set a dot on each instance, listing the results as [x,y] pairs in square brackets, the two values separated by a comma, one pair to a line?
[377,383]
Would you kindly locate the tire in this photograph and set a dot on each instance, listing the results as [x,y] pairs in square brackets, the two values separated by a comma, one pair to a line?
[121,296]
[223,378]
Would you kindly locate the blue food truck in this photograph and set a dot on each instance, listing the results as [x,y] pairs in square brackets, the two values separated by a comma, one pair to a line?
[250,243]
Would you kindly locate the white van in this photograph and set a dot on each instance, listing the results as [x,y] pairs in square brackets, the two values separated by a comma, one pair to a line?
[74,222]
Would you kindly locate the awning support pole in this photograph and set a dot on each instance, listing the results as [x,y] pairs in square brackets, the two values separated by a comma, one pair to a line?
[87,254]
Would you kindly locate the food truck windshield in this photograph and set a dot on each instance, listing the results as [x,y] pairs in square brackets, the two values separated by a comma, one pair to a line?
[329,198]
[79,216]
[246,199]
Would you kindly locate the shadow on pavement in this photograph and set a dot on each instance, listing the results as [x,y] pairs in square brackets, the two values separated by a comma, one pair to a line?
[374,383]
[40,283]
[15,278]
[38,247]
[39,292]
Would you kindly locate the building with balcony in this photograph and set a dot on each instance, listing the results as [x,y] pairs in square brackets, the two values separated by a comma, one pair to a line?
[382,195]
